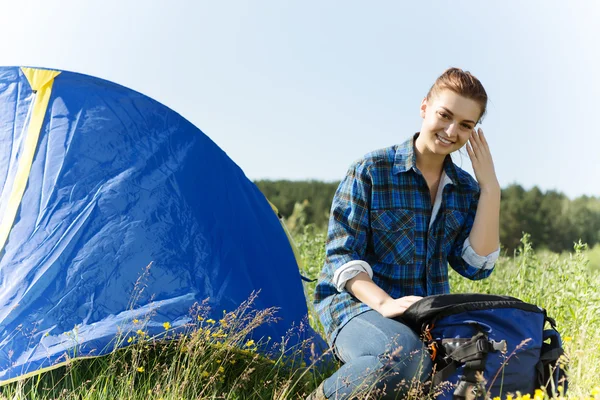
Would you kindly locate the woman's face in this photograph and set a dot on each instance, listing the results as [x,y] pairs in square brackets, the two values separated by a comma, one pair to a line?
[448,120]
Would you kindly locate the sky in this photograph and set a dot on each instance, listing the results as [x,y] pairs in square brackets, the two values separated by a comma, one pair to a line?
[300,89]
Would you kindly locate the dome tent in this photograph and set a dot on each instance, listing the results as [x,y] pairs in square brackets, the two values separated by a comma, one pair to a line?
[99,182]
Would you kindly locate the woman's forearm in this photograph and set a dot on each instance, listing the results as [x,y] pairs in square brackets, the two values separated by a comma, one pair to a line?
[485,233]
[364,289]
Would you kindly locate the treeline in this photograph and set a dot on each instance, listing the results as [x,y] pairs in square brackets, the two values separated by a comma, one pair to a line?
[553,220]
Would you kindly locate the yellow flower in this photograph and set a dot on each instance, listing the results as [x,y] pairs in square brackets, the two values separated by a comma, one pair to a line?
[567,339]
[205,374]
[136,321]
[210,321]
[130,340]
[221,369]
[140,369]
[249,343]
[141,332]
[200,318]
[167,326]
[497,398]
[509,397]
[538,395]
[232,361]
[595,391]
[223,323]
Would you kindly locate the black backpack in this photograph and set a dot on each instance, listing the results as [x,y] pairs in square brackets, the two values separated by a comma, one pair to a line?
[488,344]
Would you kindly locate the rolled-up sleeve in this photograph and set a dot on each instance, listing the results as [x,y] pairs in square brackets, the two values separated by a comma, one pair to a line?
[348,271]
[476,260]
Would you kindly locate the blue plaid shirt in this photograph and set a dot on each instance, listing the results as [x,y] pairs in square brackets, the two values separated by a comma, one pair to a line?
[380,214]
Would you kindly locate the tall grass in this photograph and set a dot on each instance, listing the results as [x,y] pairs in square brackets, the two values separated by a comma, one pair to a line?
[215,360]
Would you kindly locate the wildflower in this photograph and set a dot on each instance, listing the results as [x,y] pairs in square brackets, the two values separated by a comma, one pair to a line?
[141,333]
[567,339]
[221,369]
[130,340]
[497,398]
[509,397]
[210,321]
[223,323]
[249,343]
[232,362]
[167,326]
[46,334]
[200,318]
[538,395]
[205,374]
[140,369]
[595,391]
[136,321]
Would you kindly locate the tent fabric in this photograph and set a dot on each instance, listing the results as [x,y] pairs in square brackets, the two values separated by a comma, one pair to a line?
[119,186]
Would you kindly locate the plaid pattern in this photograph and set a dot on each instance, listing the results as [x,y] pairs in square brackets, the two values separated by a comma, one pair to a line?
[380,214]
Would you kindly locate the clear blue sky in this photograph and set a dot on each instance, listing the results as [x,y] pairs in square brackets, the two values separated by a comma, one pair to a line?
[300,89]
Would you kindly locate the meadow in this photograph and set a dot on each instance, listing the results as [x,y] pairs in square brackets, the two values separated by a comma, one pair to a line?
[215,360]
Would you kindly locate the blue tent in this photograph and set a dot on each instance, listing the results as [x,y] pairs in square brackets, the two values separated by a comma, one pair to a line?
[98,183]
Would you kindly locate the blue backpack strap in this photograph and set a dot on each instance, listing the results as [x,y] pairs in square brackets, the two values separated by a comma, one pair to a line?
[471,354]
[550,374]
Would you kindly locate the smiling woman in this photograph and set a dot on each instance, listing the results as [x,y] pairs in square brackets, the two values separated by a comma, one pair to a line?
[398,218]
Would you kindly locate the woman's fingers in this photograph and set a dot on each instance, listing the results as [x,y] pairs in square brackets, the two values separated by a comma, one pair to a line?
[470,152]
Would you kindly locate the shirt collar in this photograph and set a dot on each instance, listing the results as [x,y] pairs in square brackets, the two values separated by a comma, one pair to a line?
[406,159]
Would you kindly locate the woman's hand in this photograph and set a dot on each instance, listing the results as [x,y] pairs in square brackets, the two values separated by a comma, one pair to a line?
[481,158]
[395,307]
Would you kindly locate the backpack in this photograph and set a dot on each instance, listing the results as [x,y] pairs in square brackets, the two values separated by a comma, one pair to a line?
[501,337]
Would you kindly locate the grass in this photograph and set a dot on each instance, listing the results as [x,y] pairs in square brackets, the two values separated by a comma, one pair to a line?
[214,360]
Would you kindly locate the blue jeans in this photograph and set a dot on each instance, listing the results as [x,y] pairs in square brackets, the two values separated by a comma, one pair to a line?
[381,355]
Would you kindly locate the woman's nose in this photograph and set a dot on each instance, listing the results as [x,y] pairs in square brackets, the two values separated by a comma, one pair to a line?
[451,129]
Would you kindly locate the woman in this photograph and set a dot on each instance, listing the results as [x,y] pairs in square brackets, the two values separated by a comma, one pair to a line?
[398,218]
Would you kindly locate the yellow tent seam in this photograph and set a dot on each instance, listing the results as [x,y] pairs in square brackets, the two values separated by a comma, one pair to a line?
[41,83]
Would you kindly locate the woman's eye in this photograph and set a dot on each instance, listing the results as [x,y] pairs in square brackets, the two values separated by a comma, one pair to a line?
[444,115]
[467,126]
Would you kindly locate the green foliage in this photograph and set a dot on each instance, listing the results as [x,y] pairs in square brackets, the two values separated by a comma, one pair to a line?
[553,221]
[286,194]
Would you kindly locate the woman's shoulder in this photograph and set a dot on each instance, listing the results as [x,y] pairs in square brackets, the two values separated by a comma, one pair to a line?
[377,158]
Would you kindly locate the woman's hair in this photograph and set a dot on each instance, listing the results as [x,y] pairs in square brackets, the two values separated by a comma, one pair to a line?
[462,83]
